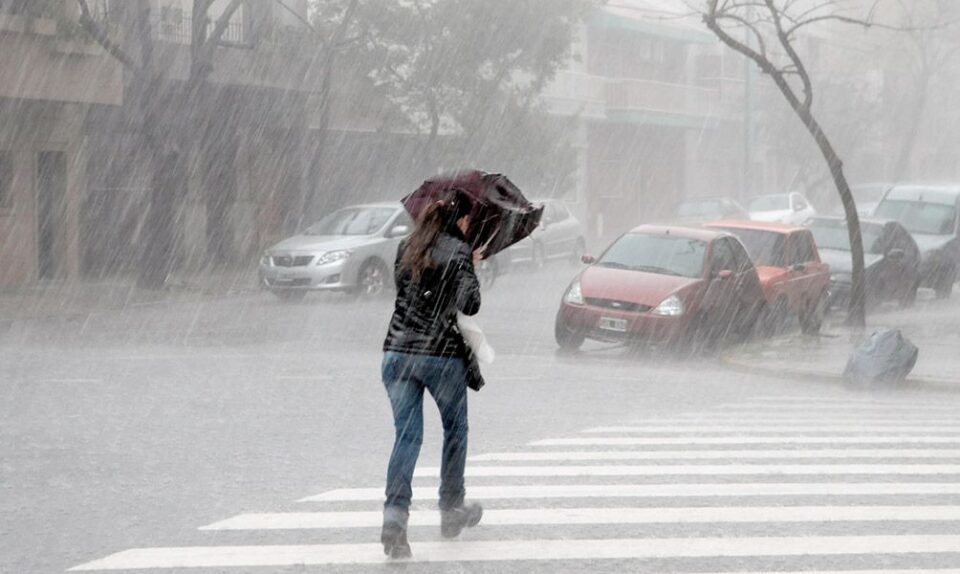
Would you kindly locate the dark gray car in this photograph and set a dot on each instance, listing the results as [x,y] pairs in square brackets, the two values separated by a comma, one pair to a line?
[932,215]
[891,258]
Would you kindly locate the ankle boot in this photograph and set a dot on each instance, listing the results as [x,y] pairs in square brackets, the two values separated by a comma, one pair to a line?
[394,533]
[454,520]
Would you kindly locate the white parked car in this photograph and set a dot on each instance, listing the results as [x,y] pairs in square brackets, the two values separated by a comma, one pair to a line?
[559,236]
[791,208]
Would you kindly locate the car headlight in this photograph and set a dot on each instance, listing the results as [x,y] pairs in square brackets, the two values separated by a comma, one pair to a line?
[672,306]
[333,256]
[266,260]
[574,295]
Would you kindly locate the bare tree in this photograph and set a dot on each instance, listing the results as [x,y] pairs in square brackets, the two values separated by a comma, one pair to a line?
[772,28]
[152,104]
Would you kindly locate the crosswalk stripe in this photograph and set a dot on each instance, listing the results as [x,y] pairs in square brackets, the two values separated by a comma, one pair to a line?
[797,419]
[588,455]
[718,440]
[816,399]
[516,550]
[541,491]
[700,470]
[572,516]
[832,407]
[779,428]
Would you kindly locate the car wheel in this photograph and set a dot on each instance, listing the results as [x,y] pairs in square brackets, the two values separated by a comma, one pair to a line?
[579,249]
[701,336]
[944,284]
[567,338]
[811,316]
[487,273]
[290,295]
[372,279]
[538,256]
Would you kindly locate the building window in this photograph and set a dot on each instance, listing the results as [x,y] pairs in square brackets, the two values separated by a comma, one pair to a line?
[6,179]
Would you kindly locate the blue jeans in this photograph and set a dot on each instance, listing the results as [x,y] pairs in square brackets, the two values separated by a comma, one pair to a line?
[405,377]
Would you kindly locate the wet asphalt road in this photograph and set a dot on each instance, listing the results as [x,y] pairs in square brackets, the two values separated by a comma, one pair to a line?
[132,428]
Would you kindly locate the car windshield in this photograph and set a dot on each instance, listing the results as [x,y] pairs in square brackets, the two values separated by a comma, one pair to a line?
[868,193]
[764,247]
[832,234]
[660,253]
[352,221]
[769,203]
[920,216]
[696,208]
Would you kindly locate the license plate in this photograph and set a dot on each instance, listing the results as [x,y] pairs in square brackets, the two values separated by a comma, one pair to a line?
[285,276]
[613,324]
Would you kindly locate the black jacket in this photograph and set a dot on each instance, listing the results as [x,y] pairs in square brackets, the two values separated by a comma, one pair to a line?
[424,318]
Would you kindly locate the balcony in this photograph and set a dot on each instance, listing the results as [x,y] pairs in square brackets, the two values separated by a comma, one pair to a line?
[634,100]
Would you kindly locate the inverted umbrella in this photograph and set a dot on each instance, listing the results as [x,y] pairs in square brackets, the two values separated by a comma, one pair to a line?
[501,215]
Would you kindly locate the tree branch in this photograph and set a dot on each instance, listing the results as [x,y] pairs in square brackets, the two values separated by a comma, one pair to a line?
[93,28]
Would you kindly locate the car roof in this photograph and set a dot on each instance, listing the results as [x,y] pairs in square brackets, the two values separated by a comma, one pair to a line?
[679,231]
[757,225]
[869,221]
[943,194]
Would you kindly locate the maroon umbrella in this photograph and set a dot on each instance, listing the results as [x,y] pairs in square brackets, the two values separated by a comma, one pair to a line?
[501,215]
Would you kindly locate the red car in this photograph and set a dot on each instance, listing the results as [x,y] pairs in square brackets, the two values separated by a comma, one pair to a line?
[794,280]
[662,285]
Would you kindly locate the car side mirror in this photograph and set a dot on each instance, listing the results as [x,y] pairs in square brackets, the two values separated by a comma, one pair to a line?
[588,259]
[399,231]
[725,275]
[799,268]
[896,254]
[798,207]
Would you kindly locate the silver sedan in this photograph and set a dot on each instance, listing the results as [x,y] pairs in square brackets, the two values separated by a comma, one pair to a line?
[350,250]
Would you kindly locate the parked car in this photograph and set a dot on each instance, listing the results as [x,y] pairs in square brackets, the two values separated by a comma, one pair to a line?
[662,284]
[559,236]
[791,208]
[793,278]
[930,214]
[891,260]
[352,249]
[709,209]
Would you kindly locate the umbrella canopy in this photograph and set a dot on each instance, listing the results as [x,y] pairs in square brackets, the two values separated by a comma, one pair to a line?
[501,215]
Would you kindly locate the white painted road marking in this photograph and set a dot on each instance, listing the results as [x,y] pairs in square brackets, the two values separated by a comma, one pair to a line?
[783,426]
[539,491]
[717,440]
[700,470]
[553,516]
[513,550]
[588,455]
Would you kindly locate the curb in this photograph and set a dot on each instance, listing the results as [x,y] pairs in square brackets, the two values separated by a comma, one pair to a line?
[731,361]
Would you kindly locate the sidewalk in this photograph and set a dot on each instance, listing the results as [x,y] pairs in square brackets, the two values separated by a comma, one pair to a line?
[932,326]
[69,299]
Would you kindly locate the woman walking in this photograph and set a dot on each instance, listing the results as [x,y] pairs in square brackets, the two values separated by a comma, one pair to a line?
[424,350]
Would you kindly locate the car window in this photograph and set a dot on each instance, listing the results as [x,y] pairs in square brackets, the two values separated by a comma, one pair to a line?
[403,219]
[920,216]
[801,249]
[832,234]
[799,203]
[352,221]
[562,213]
[656,253]
[769,203]
[763,247]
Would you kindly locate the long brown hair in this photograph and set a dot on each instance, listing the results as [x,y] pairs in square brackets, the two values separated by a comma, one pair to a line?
[441,215]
